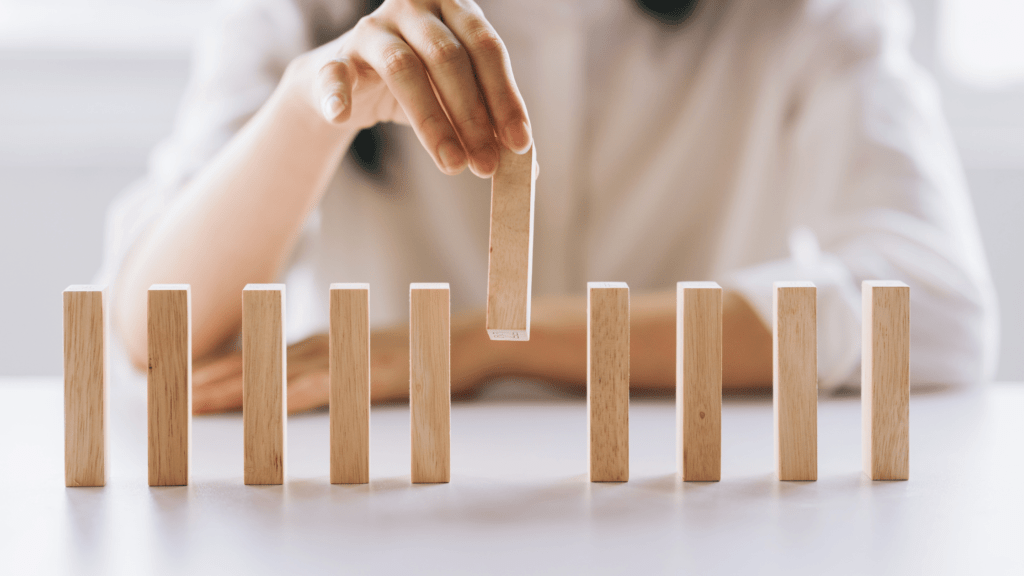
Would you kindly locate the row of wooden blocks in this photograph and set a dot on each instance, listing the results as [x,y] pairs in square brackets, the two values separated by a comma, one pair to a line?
[885,382]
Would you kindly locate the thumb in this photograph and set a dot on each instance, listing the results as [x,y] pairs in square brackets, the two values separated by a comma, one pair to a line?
[334,88]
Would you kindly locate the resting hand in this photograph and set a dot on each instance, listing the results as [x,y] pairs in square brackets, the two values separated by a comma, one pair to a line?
[437,65]
[217,384]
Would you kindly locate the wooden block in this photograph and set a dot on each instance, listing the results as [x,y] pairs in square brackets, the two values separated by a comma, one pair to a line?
[885,380]
[608,381]
[430,382]
[85,385]
[510,263]
[349,369]
[699,380]
[264,382]
[170,384]
[795,380]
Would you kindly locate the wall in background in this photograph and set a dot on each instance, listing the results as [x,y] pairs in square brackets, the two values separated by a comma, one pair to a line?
[976,53]
[74,131]
[87,88]
[79,113]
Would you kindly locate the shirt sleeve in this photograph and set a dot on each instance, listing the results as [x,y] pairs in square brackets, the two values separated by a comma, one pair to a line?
[236,65]
[878,193]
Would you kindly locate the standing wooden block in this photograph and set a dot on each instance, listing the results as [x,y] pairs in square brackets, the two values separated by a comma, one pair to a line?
[795,380]
[85,386]
[885,380]
[510,263]
[349,369]
[170,384]
[608,381]
[699,380]
[264,381]
[430,382]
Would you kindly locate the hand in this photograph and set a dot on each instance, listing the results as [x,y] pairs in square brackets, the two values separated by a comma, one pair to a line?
[437,65]
[217,384]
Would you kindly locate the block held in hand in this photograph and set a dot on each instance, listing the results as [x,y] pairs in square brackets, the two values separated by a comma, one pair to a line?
[510,262]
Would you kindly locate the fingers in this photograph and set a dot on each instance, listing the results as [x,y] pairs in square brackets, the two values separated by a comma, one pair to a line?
[217,369]
[334,85]
[451,72]
[448,71]
[389,364]
[403,73]
[308,376]
[493,71]
[313,347]
[217,387]
[223,396]
[308,390]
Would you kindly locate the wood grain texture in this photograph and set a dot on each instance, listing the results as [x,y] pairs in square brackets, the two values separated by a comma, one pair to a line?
[349,374]
[85,385]
[885,380]
[608,381]
[169,394]
[795,380]
[430,382]
[264,383]
[510,261]
[699,380]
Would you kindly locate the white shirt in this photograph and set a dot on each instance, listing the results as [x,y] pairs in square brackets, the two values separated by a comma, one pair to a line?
[760,141]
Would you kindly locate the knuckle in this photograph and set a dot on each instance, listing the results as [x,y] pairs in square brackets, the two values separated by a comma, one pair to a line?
[399,60]
[333,71]
[370,21]
[443,52]
[461,5]
[450,4]
[483,39]
[435,124]
[473,121]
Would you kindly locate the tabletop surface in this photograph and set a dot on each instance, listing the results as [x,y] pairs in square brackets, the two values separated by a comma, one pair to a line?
[519,500]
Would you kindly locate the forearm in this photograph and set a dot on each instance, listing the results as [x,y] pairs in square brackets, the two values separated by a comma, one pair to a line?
[557,349]
[235,223]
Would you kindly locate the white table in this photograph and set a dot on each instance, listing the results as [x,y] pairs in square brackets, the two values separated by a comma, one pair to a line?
[519,501]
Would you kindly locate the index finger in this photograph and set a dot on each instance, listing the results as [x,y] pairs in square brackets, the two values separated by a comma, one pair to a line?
[493,71]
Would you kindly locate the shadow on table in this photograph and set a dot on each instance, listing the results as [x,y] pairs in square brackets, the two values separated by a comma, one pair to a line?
[87,517]
[469,501]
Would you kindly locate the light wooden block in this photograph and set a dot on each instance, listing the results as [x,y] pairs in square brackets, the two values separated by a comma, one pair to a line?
[85,385]
[510,263]
[699,380]
[170,384]
[430,382]
[608,381]
[264,383]
[795,380]
[349,373]
[885,380]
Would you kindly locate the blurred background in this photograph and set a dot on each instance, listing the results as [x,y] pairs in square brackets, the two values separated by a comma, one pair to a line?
[88,87]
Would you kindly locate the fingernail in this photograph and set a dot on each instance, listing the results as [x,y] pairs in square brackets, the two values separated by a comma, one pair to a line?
[487,161]
[451,155]
[332,106]
[517,136]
